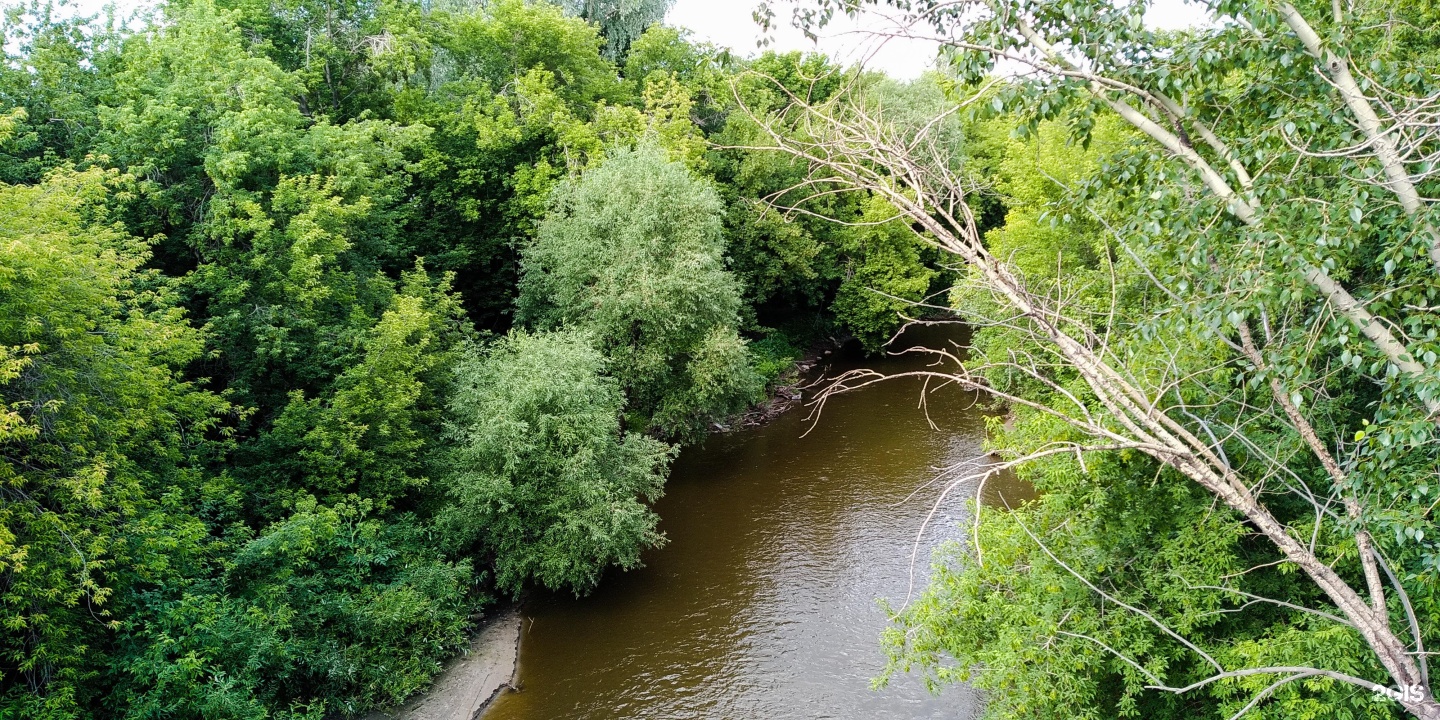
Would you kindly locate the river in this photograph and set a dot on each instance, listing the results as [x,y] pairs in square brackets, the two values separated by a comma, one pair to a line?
[763,604]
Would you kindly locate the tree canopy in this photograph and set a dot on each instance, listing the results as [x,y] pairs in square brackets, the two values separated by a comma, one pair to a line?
[633,252]
[621,22]
[325,325]
[543,476]
[1193,310]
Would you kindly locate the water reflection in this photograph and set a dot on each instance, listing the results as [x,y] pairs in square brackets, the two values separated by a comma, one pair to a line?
[763,604]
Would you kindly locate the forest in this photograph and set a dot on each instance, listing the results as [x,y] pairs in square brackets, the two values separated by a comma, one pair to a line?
[317,341]
[329,326]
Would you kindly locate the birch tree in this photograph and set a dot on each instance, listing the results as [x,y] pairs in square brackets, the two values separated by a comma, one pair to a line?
[1269,225]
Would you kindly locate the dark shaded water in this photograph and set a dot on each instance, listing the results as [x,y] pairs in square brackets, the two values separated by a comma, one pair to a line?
[763,603]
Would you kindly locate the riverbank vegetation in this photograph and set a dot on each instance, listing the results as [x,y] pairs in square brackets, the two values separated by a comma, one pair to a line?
[1211,312]
[323,326]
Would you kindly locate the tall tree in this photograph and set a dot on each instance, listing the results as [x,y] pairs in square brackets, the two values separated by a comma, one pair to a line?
[99,430]
[620,21]
[1269,279]
[632,251]
[515,89]
[57,68]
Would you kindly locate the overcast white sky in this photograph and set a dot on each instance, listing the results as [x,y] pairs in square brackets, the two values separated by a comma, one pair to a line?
[728,23]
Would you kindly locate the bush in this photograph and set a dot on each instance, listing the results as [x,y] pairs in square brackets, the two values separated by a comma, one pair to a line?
[543,478]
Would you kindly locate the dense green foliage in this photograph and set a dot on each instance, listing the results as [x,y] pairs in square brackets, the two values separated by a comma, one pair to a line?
[1205,215]
[796,244]
[96,429]
[324,324]
[620,21]
[545,480]
[633,254]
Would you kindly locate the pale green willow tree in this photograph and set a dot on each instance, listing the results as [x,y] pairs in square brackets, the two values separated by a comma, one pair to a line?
[1275,205]
[621,22]
[543,477]
[633,252]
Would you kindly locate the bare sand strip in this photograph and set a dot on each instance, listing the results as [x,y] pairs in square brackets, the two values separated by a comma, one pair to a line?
[472,680]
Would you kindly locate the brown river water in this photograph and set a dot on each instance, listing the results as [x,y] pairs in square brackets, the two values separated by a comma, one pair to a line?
[763,603]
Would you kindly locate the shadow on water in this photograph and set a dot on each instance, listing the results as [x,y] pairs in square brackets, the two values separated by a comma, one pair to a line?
[763,604]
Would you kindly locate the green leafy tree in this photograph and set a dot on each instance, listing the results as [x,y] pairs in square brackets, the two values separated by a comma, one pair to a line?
[632,252]
[620,21]
[1247,314]
[511,96]
[543,478]
[310,251]
[886,280]
[703,69]
[58,69]
[193,112]
[330,48]
[783,259]
[798,246]
[332,610]
[368,433]
[507,39]
[98,427]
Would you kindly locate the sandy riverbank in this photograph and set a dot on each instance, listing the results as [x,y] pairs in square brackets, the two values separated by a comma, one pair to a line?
[471,681]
